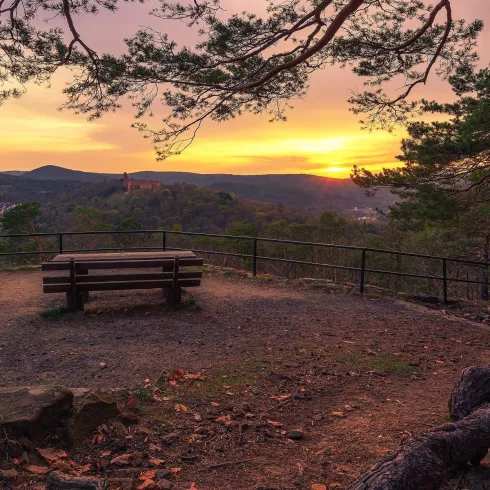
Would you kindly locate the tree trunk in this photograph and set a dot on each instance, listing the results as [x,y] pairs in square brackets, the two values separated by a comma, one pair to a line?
[484,286]
[425,461]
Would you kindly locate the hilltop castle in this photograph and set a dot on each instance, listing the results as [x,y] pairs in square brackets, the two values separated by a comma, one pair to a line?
[135,185]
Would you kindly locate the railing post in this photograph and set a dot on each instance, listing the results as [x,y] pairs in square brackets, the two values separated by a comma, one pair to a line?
[444,280]
[254,270]
[363,271]
[164,241]
[60,243]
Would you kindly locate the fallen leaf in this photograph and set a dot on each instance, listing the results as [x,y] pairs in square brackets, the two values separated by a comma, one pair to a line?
[179,407]
[104,454]
[123,460]
[132,402]
[51,454]
[281,397]
[38,470]
[339,414]
[177,374]
[155,461]
[97,439]
[229,393]
[274,423]
[224,418]
[175,470]
[197,417]
[318,486]
[147,475]
[214,404]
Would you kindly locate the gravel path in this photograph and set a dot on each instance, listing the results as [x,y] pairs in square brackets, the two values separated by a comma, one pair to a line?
[386,368]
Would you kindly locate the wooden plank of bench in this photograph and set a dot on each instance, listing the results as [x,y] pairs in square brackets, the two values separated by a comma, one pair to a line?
[142,276]
[80,257]
[125,264]
[121,285]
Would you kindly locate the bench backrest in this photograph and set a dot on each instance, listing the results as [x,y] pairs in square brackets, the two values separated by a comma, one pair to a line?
[164,264]
[78,280]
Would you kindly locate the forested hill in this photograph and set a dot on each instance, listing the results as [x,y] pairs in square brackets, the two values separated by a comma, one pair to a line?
[298,191]
[184,206]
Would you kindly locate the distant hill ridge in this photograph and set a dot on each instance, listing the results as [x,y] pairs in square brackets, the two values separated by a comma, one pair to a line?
[299,191]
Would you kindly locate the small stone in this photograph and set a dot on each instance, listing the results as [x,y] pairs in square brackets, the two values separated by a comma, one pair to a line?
[170,438]
[9,474]
[128,418]
[163,474]
[295,434]
[102,365]
[302,395]
[149,485]
[165,484]
[121,484]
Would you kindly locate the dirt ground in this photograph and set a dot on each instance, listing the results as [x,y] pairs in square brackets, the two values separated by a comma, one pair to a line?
[355,374]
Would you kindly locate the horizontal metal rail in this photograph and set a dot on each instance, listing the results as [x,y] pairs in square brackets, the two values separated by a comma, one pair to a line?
[255,257]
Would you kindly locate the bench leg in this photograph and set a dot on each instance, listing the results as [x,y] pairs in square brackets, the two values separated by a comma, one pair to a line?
[174,296]
[81,301]
[75,304]
[71,303]
[84,272]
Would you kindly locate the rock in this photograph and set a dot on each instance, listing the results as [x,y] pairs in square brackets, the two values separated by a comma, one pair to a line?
[58,481]
[423,298]
[121,484]
[79,394]
[128,418]
[169,438]
[35,411]
[295,434]
[149,485]
[96,408]
[302,395]
[163,474]
[165,484]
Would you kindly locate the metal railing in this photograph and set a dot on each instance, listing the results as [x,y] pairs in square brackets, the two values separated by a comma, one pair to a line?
[363,270]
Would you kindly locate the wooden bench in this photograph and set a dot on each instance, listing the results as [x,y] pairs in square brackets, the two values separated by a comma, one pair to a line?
[77,283]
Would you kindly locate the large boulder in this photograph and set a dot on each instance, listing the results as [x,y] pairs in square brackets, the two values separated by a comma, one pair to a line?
[90,412]
[34,411]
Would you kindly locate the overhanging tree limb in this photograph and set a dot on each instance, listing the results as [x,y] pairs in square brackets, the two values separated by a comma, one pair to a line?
[243,63]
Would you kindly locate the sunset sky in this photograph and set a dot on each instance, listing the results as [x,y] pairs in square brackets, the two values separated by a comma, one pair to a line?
[321,136]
